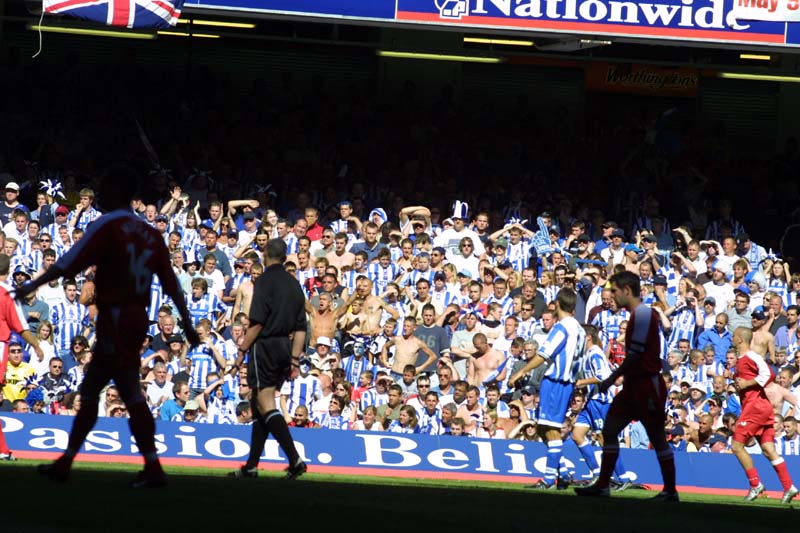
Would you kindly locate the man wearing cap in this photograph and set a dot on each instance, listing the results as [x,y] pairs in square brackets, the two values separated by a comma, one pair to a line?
[10,203]
[451,238]
[605,240]
[739,314]
[676,440]
[247,235]
[753,253]
[719,288]
[615,251]
[763,342]
[441,296]
[60,214]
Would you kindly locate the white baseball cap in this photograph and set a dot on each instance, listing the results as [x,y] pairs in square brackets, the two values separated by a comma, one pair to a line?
[325,341]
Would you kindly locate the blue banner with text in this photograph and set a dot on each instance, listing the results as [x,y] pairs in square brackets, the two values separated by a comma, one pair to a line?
[373,453]
[678,20]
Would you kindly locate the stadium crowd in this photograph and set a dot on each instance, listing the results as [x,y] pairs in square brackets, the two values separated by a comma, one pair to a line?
[430,277]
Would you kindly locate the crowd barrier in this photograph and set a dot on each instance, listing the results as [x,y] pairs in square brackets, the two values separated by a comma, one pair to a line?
[371,453]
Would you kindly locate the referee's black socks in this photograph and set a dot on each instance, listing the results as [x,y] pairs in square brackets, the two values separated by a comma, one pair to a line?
[275,424]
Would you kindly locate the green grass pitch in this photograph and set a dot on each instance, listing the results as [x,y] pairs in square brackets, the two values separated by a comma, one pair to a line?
[97,498]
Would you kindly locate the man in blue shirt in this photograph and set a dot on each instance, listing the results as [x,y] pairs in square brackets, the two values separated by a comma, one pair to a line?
[719,337]
[370,246]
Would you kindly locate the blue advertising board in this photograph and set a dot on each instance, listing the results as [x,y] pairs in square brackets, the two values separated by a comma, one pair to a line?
[678,20]
[371,453]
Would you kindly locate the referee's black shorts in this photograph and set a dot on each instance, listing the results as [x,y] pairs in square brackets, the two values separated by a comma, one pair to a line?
[270,362]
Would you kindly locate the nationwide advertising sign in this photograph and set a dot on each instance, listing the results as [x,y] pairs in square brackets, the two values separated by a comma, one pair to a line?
[372,453]
[717,21]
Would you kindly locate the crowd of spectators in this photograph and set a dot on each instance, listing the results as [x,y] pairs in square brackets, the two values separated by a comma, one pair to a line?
[431,241]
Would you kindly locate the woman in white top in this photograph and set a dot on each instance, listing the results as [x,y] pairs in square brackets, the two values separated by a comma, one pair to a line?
[45,336]
[370,421]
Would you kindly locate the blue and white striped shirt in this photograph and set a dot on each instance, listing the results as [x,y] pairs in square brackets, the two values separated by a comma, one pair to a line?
[202,364]
[325,420]
[156,299]
[381,276]
[430,423]
[595,364]
[67,319]
[684,324]
[608,322]
[302,390]
[415,275]
[353,367]
[372,397]
[205,307]
[564,349]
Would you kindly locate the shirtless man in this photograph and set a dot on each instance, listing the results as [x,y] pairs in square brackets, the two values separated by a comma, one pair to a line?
[353,319]
[483,364]
[471,411]
[763,343]
[323,319]
[244,292]
[340,257]
[406,347]
[702,430]
[372,308]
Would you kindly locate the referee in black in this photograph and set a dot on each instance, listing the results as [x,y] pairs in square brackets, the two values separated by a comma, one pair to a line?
[275,339]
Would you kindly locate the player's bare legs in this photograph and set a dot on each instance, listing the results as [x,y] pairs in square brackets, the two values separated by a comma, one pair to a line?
[777,462]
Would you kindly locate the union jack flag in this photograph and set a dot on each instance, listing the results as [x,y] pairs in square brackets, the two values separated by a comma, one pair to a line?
[125,13]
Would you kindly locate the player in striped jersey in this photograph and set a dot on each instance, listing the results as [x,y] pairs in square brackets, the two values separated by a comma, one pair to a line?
[202,304]
[562,351]
[205,358]
[303,389]
[789,442]
[383,272]
[67,318]
[595,369]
